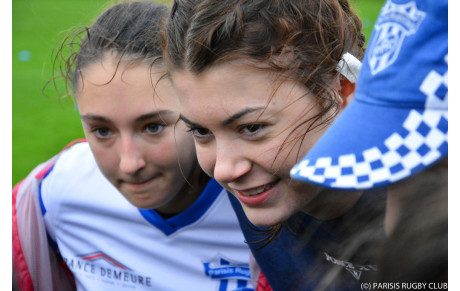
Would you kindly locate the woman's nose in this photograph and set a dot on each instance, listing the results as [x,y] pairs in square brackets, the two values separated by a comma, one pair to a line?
[230,164]
[131,156]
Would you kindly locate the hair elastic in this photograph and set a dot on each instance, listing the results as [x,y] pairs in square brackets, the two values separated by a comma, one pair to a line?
[349,67]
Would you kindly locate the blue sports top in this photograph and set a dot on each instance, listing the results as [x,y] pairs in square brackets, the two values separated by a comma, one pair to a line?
[309,254]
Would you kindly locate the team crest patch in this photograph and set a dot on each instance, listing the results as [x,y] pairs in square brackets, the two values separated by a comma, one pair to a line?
[232,275]
[394,24]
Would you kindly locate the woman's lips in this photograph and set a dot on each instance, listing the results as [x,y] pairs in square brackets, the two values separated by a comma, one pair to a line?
[138,186]
[256,196]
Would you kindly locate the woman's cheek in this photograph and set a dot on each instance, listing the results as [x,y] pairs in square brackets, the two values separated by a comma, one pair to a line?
[164,154]
[206,159]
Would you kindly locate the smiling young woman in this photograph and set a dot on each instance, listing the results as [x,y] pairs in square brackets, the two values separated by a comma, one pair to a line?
[248,137]
[259,82]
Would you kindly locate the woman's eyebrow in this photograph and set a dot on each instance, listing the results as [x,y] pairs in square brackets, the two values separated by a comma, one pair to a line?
[152,115]
[184,119]
[147,116]
[227,121]
[240,114]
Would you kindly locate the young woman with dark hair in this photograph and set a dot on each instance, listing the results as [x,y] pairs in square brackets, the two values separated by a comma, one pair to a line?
[259,82]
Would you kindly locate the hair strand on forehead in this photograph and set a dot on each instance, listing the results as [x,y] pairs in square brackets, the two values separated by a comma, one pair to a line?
[131,31]
[300,40]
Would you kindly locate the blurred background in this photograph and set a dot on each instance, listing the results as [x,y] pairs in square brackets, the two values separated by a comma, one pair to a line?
[41,123]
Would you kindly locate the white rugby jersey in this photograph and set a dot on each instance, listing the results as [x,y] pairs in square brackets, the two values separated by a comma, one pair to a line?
[109,244]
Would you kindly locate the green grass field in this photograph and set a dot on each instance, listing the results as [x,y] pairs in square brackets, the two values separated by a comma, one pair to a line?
[42,125]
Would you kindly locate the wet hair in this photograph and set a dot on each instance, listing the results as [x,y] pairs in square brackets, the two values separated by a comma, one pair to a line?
[302,40]
[131,31]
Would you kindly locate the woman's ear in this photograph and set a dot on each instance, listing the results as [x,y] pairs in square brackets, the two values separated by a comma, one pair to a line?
[346,91]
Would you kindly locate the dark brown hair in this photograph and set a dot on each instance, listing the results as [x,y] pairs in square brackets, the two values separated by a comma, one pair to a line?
[130,30]
[303,40]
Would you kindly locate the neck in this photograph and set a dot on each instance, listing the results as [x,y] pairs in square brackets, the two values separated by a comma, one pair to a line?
[189,193]
[196,183]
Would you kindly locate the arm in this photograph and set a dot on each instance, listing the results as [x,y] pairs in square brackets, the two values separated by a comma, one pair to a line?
[35,265]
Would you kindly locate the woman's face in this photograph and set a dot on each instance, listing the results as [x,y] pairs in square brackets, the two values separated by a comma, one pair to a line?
[247,129]
[133,135]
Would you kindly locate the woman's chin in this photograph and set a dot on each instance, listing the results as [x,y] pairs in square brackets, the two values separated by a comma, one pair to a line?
[263,217]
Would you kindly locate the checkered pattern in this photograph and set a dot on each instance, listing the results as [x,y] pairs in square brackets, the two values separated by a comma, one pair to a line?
[435,88]
[422,139]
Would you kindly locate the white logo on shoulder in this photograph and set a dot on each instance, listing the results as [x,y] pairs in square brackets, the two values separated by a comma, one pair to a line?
[355,270]
[394,24]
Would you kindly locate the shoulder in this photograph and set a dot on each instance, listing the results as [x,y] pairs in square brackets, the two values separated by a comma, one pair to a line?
[75,159]
[74,167]
[35,177]
[75,185]
[76,154]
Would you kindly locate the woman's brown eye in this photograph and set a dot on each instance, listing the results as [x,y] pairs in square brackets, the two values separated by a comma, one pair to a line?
[202,131]
[251,129]
[199,132]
